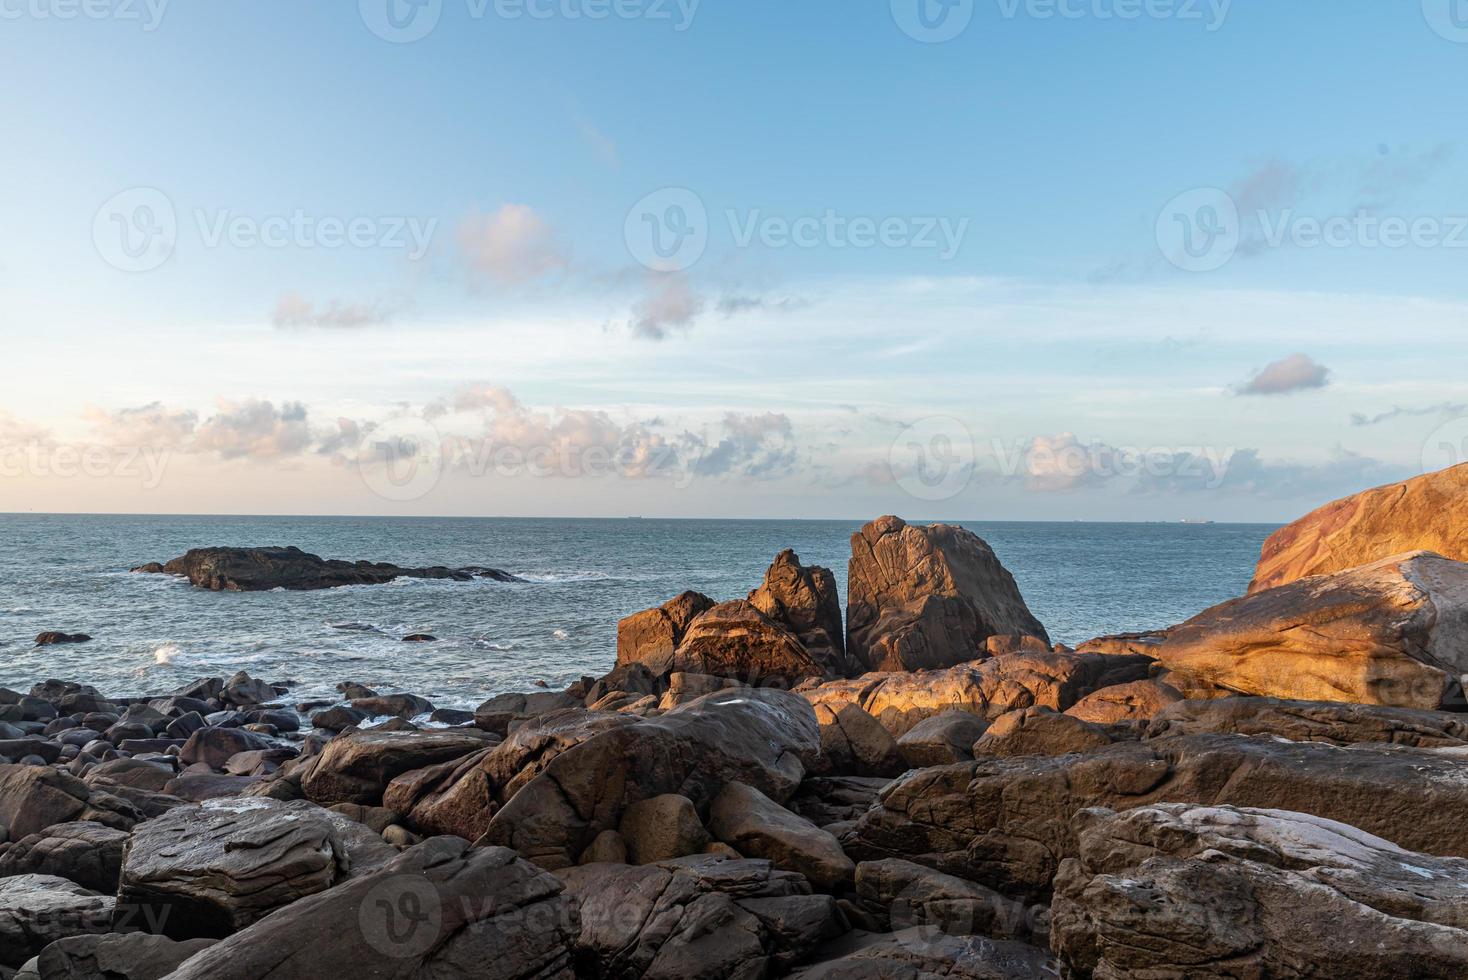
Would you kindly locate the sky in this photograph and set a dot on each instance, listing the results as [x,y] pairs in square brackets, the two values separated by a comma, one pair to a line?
[1126,260]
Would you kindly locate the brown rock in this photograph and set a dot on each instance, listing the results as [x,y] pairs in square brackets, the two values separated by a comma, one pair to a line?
[1005,823]
[120,956]
[1312,721]
[33,798]
[853,743]
[923,598]
[1394,632]
[735,639]
[1186,891]
[1125,644]
[608,848]
[651,636]
[357,768]
[1137,701]
[987,688]
[438,910]
[942,739]
[1421,514]
[569,778]
[804,600]
[264,569]
[1039,731]
[900,895]
[924,953]
[86,853]
[662,828]
[703,916]
[756,826]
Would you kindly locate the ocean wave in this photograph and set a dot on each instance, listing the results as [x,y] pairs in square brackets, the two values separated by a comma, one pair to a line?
[561,634]
[165,655]
[563,578]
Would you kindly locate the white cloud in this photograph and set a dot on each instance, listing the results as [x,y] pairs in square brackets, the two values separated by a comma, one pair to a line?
[153,425]
[510,247]
[294,310]
[671,304]
[256,430]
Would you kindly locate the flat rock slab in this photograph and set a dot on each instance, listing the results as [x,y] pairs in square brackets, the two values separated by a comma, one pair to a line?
[1174,890]
[264,569]
[37,910]
[217,867]
[123,956]
[439,911]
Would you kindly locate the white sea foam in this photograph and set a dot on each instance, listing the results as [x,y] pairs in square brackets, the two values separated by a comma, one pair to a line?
[561,635]
[166,654]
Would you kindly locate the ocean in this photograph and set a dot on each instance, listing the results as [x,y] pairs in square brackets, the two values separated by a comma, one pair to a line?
[153,633]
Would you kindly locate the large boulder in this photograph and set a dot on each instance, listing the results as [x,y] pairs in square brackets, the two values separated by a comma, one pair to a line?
[900,894]
[224,864]
[265,569]
[1138,701]
[33,798]
[1005,822]
[853,743]
[919,598]
[439,911]
[942,739]
[703,916]
[1039,731]
[1428,513]
[987,688]
[661,828]
[119,956]
[1393,632]
[357,768]
[577,781]
[86,853]
[650,637]
[1184,891]
[37,910]
[756,826]
[736,640]
[805,601]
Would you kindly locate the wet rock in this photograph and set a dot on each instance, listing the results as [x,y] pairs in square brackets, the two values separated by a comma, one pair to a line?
[338,718]
[54,638]
[500,713]
[923,953]
[406,706]
[927,597]
[756,826]
[438,910]
[214,747]
[264,569]
[1174,890]
[1394,632]
[836,799]
[224,864]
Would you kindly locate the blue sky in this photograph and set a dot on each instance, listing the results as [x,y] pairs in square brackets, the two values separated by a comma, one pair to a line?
[940,279]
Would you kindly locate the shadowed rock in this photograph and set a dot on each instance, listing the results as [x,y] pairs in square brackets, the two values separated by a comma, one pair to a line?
[805,601]
[122,956]
[1174,890]
[1312,721]
[927,597]
[650,637]
[86,853]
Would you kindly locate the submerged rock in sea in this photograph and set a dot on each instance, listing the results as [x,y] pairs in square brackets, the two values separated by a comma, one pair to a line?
[53,638]
[263,569]
[1428,513]
[927,597]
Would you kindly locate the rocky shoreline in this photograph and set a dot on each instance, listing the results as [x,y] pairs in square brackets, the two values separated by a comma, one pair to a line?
[926,787]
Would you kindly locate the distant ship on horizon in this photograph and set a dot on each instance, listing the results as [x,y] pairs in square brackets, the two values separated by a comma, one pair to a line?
[1196,520]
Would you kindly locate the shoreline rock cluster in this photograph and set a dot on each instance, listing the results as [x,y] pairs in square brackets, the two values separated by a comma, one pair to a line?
[926,787]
